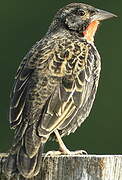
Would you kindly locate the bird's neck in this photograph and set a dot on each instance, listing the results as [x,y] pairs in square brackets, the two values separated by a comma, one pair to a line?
[90,31]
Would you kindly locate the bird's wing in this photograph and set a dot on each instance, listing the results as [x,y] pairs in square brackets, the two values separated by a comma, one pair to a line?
[62,105]
[19,91]
[85,98]
[71,94]
[31,92]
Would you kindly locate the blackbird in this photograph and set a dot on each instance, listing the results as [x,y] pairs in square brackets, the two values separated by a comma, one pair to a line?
[55,87]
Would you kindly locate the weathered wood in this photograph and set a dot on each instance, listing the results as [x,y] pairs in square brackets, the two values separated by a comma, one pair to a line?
[78,167]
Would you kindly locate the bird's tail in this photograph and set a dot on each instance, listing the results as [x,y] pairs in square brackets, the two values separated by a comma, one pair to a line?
[21,163]
[25,157]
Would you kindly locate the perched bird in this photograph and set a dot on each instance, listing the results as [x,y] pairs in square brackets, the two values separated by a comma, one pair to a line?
[55,86]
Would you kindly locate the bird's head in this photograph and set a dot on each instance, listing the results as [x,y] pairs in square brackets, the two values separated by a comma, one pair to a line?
[81,18]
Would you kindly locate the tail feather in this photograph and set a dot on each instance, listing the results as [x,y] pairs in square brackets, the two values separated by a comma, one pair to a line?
[29,167]
[39,161]
[25,164]
[10,166]
[21,163]
[32,141]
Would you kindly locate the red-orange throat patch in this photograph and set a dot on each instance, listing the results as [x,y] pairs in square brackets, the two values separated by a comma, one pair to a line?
[91,30]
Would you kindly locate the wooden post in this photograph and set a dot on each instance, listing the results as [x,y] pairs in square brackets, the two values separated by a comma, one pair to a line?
[77,167]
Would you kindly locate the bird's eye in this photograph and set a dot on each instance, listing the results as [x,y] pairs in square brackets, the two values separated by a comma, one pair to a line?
[80,12]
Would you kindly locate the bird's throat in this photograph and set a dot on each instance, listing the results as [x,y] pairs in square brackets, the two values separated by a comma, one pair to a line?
[91,30]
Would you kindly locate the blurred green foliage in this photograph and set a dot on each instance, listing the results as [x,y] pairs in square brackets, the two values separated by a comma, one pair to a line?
[22,23]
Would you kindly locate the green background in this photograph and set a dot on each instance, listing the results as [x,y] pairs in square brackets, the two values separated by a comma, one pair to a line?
[22,23]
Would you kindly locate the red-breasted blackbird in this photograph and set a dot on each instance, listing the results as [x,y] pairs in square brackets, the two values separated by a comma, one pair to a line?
[55,86]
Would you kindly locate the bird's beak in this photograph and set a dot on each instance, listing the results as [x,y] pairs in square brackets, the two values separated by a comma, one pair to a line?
[102,15]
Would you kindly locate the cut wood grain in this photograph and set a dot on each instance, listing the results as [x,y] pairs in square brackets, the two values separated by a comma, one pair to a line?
[76,167]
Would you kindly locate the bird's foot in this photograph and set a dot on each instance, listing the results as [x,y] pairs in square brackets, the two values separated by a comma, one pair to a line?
[52,154]
[64,152]
[56,153]
[78,152]
[63,149]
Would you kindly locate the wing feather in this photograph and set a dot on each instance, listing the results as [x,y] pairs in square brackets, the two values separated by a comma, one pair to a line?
[18,96]
[19,91]
[72,100]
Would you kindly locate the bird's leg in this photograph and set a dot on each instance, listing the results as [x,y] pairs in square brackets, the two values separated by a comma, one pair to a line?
[63,148]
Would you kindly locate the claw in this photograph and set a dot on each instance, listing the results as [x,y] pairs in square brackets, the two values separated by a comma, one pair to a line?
[67,152]
[79,152]
[52,154]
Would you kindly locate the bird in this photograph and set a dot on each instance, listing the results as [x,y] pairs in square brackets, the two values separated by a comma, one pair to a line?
[55,87]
